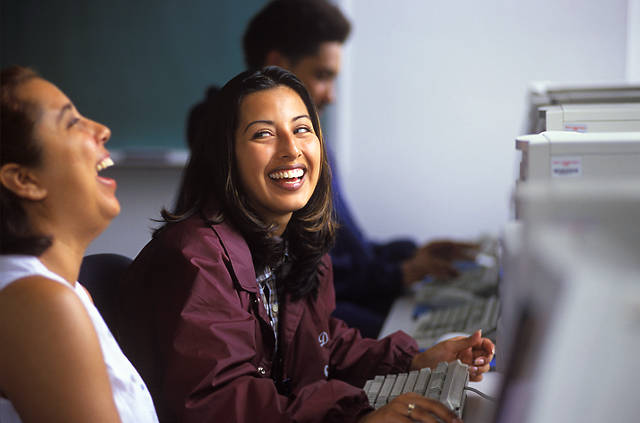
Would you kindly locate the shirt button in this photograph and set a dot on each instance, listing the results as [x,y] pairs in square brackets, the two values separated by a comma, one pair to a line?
[262,371]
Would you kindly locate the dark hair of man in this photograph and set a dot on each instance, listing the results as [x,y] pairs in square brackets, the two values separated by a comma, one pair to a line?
[17,145]
[295,28]
[211,186]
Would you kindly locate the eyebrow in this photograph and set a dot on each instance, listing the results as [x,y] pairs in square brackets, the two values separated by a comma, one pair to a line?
[325,71]
[270,122]
[300,117]
[67,107]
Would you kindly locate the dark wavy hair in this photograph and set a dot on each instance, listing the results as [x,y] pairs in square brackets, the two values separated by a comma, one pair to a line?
[295,28]
[211,187]
[18,145]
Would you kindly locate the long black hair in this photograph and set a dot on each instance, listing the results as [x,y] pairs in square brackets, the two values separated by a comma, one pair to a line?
[211,187]
[18,145]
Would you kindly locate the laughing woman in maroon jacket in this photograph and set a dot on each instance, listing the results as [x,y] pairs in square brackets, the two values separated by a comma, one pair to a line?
[236,288]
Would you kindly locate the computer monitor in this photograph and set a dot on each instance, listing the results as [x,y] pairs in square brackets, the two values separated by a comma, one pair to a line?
[601,117]
[577,335]
[575,304]
[546,93]
[563,154]
[511,241]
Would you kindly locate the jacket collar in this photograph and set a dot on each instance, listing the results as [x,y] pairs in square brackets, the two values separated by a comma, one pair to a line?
[239,255]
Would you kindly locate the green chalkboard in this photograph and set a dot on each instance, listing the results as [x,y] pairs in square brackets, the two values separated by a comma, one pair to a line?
[136,66]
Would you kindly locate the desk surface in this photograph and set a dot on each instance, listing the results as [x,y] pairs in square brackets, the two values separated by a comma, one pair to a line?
[478,409]
[400,316]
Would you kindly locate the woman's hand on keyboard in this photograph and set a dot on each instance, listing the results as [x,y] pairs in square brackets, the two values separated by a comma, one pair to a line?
[400,410]
[473,350]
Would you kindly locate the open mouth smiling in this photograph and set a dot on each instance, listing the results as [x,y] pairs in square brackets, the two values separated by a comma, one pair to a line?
[104,163]
[291,178]
[297,173]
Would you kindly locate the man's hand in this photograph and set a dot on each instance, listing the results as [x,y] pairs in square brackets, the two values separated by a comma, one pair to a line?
[451,250]
[435,259]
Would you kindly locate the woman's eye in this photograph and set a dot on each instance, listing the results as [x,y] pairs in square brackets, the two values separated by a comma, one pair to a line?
[261,134]
[72,122]
[301,130]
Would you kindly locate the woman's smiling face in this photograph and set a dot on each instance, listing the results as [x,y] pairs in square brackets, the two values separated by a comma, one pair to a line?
[277,152]
[73,152]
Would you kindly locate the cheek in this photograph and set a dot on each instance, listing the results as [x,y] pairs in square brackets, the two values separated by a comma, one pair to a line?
[315,154]
[250,166]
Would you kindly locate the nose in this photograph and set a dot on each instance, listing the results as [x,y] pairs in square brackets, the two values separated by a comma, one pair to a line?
[102,132]
[326,96]
[289,147]
[330,95]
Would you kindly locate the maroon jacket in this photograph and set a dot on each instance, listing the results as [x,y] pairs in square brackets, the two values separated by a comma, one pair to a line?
[193,324]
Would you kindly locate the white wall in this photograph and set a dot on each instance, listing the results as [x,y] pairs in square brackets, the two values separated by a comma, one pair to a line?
[142,192]
[633,44]
[433,95]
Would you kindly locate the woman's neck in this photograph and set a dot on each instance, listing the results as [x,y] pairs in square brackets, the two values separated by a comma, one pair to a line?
[64,258]
[281,225]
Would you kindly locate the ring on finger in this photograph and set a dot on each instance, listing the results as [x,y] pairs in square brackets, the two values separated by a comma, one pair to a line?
[410,409]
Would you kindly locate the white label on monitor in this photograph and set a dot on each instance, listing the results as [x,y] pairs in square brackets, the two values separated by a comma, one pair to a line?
[575,127]
[566,166]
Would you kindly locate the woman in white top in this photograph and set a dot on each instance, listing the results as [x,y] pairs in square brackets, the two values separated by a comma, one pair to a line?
[58,361]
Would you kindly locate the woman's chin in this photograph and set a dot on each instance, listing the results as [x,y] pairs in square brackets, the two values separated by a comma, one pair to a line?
[111,209]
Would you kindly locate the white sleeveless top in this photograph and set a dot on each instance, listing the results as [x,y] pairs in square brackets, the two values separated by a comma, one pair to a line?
[129,391]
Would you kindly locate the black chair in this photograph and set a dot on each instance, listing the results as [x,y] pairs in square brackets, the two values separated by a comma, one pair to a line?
[100,274]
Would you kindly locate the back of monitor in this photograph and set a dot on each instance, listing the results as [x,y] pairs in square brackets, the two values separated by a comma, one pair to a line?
[546,93]
[563,155]
[575,315]
[601,117]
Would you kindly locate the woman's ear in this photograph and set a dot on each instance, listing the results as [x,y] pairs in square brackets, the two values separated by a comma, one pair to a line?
[22,182]
[275,58]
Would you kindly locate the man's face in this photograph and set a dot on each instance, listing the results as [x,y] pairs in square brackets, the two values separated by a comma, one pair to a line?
[319,72]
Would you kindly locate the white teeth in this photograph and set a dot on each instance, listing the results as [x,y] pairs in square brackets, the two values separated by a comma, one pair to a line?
[104,163]
[287,174]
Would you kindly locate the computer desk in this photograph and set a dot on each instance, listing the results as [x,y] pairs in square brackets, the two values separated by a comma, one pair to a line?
[400,316]
[477,409]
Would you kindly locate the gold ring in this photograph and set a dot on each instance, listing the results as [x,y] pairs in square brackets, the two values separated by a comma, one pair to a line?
[410,409]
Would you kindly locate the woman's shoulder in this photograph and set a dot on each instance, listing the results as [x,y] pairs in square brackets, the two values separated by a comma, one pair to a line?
[193,227]
[37,291]
[46,330]
[190,244]
[197,230]
[39,303]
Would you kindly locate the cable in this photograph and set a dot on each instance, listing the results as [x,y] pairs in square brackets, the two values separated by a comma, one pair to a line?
[489,330]
[482,394]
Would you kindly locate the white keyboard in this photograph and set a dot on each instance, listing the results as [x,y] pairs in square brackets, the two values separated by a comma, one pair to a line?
[467,318]
[472,283]
[445,383]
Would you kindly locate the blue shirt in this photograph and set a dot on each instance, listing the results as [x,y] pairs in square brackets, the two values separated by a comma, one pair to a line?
[364,271]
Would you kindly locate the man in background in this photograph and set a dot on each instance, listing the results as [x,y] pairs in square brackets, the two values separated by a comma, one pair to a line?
[306,37]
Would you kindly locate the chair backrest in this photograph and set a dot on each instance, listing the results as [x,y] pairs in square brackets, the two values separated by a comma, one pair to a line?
[100,273]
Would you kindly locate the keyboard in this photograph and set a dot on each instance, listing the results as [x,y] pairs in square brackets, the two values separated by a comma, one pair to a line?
[467,318]
[489,245]
[473,283]
[445,383]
